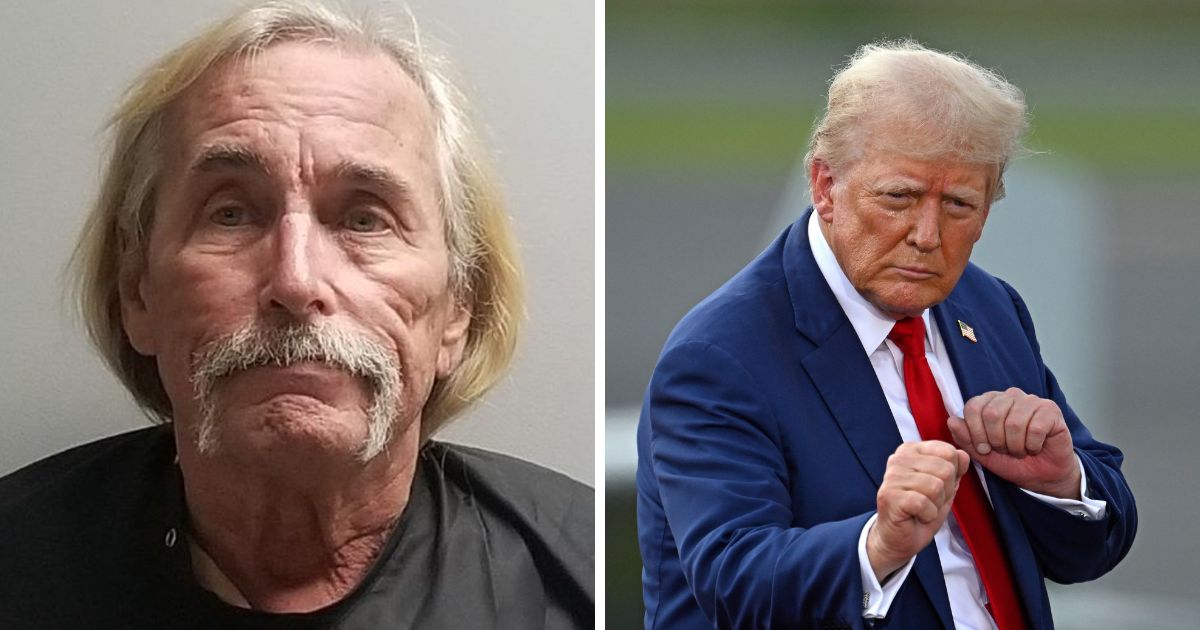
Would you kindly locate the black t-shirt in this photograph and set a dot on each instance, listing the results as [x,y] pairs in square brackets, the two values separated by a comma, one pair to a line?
[95,537]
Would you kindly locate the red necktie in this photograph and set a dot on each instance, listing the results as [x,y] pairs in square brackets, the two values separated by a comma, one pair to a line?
[971,508]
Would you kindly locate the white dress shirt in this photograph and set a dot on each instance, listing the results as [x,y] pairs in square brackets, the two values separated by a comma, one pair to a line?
[963,584]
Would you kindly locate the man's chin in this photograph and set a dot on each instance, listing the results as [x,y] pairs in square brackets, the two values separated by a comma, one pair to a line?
[901,309]
[908,301]
[286,428]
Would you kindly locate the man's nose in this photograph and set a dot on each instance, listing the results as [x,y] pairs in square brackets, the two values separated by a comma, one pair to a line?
[298,282]
[925,233]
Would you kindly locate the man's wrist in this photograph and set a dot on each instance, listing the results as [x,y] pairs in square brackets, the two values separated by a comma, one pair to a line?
[1066,489]
[882,563]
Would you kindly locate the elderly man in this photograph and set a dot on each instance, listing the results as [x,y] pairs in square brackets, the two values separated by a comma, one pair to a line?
[861,391]
[299,265]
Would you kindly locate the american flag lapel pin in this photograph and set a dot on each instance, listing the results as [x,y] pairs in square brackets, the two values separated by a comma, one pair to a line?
[967,331]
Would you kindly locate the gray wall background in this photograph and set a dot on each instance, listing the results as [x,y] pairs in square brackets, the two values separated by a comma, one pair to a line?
[528,65]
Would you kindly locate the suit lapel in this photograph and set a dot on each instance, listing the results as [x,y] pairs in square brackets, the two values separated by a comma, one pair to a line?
[838,366]
[843,375]
[977,370]
[973,361]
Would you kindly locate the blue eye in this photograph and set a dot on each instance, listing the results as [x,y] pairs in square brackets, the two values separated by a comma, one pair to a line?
[364,222]
[229,216]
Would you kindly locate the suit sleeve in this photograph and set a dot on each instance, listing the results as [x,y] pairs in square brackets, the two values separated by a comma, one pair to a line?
[724,485]
[1069,548]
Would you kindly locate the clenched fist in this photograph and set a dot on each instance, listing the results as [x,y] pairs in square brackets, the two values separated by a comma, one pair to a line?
[1020,438]
[913,501]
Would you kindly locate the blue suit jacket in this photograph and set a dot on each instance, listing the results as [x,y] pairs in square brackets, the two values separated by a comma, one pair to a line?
[763,441]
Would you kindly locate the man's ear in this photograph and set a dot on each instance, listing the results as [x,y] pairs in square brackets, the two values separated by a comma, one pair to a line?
[820,180]
[454,339]
[135,317]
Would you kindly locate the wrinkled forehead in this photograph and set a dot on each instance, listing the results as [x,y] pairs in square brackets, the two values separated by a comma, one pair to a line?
[303,83]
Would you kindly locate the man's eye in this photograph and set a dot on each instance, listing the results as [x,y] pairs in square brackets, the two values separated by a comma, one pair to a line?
[230,216]
[364,222]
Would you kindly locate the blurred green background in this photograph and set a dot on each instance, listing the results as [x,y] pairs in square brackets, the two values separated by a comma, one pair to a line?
[708,110]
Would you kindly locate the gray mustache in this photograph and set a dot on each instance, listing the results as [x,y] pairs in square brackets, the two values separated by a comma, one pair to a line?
[256,346]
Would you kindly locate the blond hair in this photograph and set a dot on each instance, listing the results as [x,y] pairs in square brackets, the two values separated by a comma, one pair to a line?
[484,272]
[926,104]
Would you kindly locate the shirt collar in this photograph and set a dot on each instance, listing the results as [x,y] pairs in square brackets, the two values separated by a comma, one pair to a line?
[870,324]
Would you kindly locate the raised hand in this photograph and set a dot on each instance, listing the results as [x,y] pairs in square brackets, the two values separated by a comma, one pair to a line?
[915,498]
[1020,438]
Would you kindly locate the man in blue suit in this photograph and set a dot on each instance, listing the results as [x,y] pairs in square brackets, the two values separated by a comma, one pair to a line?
[860,391]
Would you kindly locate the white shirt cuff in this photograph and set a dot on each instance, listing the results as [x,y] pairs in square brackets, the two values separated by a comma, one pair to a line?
[877,599]
[1087,508]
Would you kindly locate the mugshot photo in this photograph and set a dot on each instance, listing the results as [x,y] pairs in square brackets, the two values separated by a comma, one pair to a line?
[307,318]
